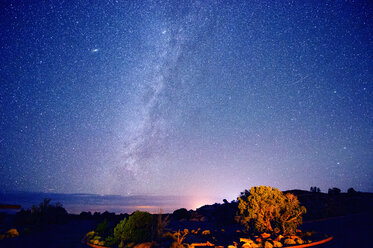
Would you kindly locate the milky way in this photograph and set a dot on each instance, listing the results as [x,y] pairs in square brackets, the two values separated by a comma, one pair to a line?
[201,98]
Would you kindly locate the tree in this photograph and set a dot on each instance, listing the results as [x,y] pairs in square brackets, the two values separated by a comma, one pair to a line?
[266,209]
[351,191]
[181,213]
[120,232]
[334,191]
[138,228]
[315,189]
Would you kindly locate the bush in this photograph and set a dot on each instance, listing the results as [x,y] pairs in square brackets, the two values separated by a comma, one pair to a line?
[315,190]
[266,209]
[334,191]
[45,213]
[138,228]
[351,191]
[160,226]
[119,232]
[181,213]
[102,228]
[110,241]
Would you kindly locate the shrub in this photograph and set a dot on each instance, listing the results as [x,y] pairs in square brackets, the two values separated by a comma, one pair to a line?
[45,213]
[138,228]
[119,232]
[315,190]
[181,213]
[351,191]
[160,226]
[110,241]
[102,227]
[266,209]
[334,191]
[179,237]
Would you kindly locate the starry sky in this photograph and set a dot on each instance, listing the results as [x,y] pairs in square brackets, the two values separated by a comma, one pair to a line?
[201,98]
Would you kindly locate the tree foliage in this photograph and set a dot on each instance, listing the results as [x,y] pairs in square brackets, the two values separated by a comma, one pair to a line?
[137,228]
[351,191]
[334,191]
[315,189]
[266,209]
[120,232]
[45,213]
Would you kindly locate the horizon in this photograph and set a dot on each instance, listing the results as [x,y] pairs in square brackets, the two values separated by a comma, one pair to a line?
[76,203]
[199,98]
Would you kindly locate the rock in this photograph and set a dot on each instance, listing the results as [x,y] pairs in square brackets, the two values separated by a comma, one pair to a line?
[102,243]
[277,244]
[144,245]
[245,240]
[265,235]
[248,243]
[268,244]
[12,233]
[232,246]
[90,234]
[299,241]
[206,232]
[279,237]
[168,235]
[96,242]
[290,242]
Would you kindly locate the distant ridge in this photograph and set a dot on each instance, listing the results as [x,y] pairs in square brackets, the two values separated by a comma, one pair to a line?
[9,206]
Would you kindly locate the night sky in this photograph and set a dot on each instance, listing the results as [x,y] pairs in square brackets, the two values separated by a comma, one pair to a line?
[201,98]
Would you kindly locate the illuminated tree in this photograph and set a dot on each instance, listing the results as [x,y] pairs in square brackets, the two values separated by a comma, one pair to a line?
[266,209]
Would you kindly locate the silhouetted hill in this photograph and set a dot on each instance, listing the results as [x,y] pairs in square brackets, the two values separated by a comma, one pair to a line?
[322,205]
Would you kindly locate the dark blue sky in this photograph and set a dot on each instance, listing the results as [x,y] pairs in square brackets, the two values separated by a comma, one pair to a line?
[202,98]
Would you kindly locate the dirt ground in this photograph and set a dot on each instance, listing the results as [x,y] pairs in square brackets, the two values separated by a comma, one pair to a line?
[53,236]
[349,232]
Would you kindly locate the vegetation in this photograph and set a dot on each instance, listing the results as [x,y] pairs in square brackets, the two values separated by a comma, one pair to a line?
[334,191]
[266,209]
[45,213]
[137,228]
[179,237]
[351,191]
[181,213]
[160,226]
[102,228]
[120,232]
[315,189]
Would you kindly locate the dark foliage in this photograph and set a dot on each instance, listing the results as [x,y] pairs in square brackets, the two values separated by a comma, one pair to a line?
[45,213]
[351,191]
[334,191]
[315,190]
[181,213]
